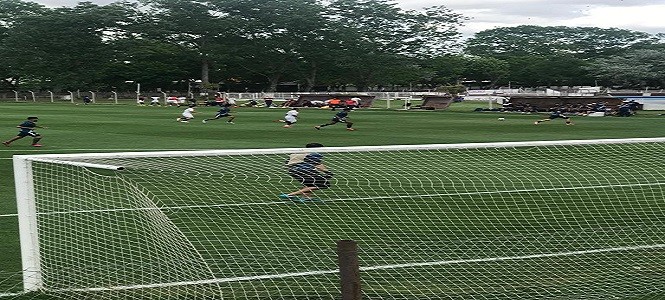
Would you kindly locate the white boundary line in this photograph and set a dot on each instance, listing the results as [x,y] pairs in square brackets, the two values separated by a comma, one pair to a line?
[172,153]
[353,199]
[374,268]
[92,149]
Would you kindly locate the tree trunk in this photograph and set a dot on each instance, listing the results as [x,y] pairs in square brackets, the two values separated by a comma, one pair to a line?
[205,69]
[273,84]
[311,79]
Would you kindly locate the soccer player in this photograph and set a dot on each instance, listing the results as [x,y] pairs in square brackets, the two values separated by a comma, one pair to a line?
[27,129]
[155,101]
[309,170]
[225,111]
[291,117]
[187,114]
[340,117]
[556,115]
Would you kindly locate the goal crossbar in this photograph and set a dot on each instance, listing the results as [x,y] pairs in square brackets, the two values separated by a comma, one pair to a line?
[439,195]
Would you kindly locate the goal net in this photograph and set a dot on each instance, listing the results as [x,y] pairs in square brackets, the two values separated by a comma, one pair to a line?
[523,220]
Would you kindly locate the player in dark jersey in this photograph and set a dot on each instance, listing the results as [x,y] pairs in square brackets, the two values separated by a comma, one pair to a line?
[225,111]
[309,170]
[557,114]
[340,117]
[27,129]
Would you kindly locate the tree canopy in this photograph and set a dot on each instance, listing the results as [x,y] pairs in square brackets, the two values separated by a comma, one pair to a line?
[312,44]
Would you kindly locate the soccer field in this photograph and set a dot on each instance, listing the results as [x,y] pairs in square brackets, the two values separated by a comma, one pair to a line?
[453,225]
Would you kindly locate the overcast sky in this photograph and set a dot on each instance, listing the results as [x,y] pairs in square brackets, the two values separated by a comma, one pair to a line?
[640,15]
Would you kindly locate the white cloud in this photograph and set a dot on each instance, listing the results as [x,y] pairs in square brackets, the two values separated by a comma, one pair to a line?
[645,18]
[640,15]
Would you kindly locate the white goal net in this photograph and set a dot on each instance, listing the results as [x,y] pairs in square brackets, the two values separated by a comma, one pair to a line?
[532,220]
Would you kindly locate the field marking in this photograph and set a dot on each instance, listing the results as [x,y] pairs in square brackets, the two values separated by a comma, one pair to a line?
[374,268]
[95,149]
[349,199]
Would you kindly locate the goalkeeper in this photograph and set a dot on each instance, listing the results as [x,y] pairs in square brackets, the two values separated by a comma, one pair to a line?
[309,170]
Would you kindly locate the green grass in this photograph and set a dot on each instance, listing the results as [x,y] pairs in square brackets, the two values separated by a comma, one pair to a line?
[113,128]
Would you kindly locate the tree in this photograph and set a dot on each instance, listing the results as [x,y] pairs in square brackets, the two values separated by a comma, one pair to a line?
[152,63]
[375,36]
[278,39]
[486,69]
[66,48]
[11,12]
[552,70]
[580,42]
[196,26]
[636,69]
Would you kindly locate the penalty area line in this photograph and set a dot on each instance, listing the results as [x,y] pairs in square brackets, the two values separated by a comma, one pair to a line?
[374,268]
[171,208]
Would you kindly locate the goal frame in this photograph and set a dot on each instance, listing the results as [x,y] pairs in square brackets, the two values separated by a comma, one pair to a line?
[27,202]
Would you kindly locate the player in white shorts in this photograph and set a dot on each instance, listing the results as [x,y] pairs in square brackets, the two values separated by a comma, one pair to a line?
[291,117]
[187,114]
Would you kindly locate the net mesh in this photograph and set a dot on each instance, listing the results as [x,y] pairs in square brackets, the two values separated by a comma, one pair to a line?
[555,222]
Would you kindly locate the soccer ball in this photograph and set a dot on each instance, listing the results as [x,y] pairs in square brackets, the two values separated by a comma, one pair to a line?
[501,119]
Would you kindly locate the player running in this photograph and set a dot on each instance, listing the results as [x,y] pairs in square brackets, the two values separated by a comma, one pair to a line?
[556,115]
[225,111]
[27,129]
[290,118]
[340,117]
[187,114]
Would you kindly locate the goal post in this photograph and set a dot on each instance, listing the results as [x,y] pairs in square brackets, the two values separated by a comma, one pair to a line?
[558,219]
[28,229]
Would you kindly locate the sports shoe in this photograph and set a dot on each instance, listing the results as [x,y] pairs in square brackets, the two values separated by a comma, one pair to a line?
[287,126]
[311,199]
[350,129]
[204,121]
[297,199]
[184,121]
[317,127]
[285,196]
[229,122]
[36,145]
[5,143]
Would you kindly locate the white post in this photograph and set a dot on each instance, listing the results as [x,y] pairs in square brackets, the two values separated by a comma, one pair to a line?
[190,94]
[51,93]
[93,96]
[71,96]
[115,96]
[189,87]
[33,96]
[27,223]
[165,102]
[15,95]
[138,92]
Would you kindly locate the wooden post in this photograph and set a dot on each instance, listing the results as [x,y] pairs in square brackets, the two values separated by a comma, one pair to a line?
[349,269]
